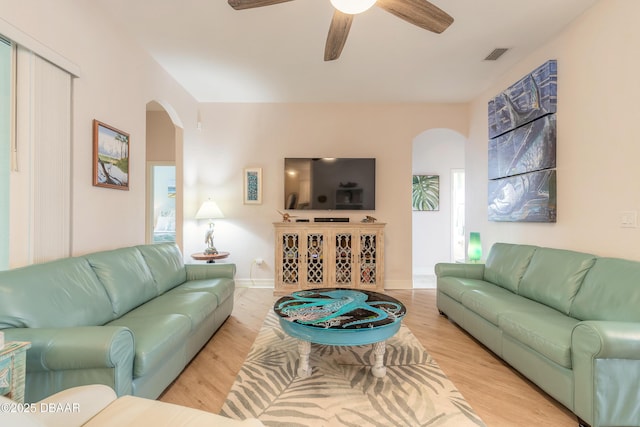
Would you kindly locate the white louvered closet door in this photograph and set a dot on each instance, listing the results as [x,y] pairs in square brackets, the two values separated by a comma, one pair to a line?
[41,183]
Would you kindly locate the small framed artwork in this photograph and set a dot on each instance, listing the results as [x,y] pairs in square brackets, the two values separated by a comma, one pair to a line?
[110,157]
[253,186]
[425,195]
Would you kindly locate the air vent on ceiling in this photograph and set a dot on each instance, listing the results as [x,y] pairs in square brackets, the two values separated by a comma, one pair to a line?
[497,53]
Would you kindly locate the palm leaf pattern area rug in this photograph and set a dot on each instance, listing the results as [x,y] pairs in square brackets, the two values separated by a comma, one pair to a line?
[341,390]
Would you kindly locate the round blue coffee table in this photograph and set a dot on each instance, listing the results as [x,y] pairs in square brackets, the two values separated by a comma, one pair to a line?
[336,316]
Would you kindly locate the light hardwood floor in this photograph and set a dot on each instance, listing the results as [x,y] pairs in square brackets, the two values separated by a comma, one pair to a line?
[498,394]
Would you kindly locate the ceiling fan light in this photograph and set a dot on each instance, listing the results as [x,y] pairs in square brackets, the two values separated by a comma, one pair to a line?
[352,7]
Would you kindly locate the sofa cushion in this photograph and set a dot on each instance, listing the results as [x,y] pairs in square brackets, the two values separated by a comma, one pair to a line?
[196,306]
[542,329]
[166,265]
[455,287]
[222,288]
[126,277]
[55,294]
[157,338]
[610,291]
[507,263]
[554,277]
[489,303]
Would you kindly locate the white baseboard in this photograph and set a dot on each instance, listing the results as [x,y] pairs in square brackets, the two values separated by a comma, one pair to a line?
[255,283]
[398,284]
[388,284]
[427,281]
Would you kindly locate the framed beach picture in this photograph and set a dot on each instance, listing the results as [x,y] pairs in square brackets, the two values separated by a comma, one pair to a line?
[110,157]
[253,186]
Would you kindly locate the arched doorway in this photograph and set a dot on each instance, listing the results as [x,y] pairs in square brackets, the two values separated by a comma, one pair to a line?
[436,232]
[164,207]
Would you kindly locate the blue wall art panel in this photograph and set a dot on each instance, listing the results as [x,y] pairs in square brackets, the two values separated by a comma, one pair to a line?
[532,97]
[528,197]
[522,149]
[529,148]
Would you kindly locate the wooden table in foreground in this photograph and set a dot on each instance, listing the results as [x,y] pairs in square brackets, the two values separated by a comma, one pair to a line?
[340,317]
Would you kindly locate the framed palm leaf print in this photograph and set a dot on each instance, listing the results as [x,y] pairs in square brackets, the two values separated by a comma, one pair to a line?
[426,193]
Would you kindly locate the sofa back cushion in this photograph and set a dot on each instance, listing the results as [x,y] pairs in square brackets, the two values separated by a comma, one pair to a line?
[56,294]
[611,291]
[125,276]
[554,277]
[166,265]
[507,263]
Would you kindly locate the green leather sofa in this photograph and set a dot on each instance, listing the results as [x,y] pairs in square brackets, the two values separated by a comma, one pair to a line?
[568,321]
[130,318]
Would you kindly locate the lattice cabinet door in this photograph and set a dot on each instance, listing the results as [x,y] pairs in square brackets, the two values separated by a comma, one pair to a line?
[316,260]
[342,246]
[369,268]
[288,259]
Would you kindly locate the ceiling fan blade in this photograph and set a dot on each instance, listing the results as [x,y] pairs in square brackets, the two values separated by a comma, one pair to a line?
[338,32]
[418,12]
[249,4]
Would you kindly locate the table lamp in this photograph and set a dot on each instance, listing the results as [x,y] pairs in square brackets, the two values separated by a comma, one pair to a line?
[474,250]
[209,210]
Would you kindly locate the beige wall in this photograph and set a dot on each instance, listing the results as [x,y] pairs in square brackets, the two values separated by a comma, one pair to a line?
[597,141]
[161,137]
[597,137]
[117,80]
[236,136]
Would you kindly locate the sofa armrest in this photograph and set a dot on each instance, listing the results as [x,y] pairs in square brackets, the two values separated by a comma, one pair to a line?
[210,271]
[74,348]
[466,271]
[60,358]
[607,340]
[606,367]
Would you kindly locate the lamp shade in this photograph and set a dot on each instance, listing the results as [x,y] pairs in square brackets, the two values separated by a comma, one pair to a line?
[352,7]
[474,250]
[209,210]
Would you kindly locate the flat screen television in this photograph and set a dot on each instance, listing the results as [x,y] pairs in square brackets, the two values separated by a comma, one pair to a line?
[330,183]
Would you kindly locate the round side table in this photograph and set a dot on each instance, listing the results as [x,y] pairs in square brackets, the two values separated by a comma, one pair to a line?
[210,258]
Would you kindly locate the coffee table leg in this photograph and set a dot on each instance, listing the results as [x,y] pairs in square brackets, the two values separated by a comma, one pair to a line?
[379,370]
[304,348]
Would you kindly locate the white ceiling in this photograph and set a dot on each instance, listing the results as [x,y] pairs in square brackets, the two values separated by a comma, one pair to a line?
[275,53]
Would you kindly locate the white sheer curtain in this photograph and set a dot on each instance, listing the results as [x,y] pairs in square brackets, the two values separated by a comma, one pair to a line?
[40,188]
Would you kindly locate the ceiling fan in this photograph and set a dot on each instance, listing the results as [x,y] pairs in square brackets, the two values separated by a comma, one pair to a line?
[417,12]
